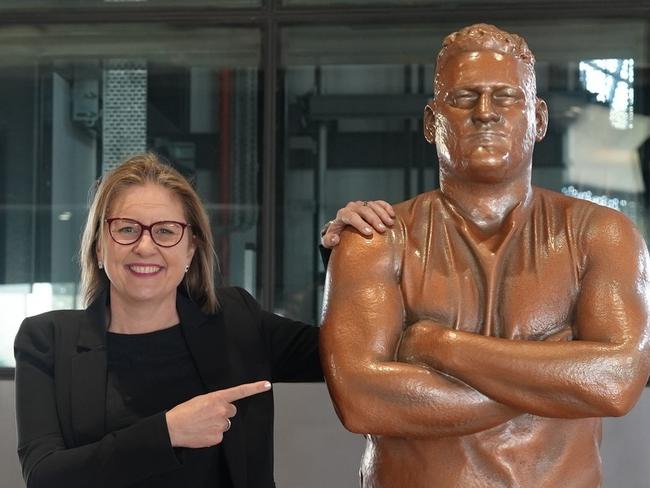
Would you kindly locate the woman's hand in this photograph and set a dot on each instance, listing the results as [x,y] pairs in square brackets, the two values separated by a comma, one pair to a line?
[202,420]
[363,216]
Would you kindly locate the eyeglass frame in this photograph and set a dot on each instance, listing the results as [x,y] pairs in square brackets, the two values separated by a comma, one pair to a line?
[147,228]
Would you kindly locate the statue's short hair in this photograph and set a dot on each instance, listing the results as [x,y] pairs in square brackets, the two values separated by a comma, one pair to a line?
[484,37]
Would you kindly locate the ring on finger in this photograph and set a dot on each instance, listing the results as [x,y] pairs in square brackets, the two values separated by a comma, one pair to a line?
[228,425]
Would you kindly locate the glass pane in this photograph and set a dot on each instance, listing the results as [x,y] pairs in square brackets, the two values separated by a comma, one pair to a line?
[15,4]
[76,101]
[361,2]
[353,103]
[404,3]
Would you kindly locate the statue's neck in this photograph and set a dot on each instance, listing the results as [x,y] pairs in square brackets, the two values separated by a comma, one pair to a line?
[486,205]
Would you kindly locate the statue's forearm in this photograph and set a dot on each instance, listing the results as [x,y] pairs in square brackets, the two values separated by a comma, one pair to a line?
[548,378]
[403,400]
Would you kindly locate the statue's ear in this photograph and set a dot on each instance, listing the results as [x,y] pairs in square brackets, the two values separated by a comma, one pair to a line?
[429,124]
[541,119]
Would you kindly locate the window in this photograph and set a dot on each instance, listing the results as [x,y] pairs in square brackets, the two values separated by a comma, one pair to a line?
[35,4]
[353,108]
[76,101]
[277,143]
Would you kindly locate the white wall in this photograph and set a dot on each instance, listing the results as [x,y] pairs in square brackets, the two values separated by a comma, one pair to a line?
[626,447]
[10,476]
[313,450]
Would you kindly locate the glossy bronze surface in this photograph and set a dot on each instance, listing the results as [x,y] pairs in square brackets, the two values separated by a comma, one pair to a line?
[479,341]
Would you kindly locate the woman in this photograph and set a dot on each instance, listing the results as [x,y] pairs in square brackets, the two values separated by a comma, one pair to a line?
[139,388]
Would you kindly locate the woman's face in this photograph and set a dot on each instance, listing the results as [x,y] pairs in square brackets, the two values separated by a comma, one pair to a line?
[144,272]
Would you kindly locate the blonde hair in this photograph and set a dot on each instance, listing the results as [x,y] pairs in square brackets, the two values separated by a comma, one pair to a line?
[137,171]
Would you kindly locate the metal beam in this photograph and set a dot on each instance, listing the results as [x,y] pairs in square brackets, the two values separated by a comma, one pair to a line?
[442,12]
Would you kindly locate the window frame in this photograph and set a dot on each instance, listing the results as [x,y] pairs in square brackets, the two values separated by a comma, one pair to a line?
[270,18]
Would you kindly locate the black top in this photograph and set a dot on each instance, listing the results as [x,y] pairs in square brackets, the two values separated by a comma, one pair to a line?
[61,387]
[151,373]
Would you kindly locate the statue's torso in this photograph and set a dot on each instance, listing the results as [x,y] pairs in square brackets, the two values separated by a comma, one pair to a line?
[525,288]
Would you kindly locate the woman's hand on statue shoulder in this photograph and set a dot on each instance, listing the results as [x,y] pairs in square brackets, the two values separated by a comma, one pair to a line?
[365,216]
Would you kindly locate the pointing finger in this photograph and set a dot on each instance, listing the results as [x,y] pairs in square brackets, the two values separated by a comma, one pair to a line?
[242,391]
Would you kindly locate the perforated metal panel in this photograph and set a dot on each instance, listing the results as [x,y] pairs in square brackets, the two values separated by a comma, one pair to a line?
[124,110]
[244,148]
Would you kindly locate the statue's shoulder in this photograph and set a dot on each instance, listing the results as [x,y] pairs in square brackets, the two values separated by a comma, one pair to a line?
[590,222]
[416,207]
[576,208]
[415,219]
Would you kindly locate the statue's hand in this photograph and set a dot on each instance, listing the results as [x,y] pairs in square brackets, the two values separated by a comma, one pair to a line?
[364,216]
[420,343]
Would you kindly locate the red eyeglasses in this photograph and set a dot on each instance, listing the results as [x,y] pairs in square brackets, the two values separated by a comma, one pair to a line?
[166,233]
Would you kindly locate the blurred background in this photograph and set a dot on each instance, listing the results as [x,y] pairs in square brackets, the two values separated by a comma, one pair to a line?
[280,111]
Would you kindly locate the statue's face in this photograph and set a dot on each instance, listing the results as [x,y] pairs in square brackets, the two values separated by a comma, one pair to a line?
[484,117]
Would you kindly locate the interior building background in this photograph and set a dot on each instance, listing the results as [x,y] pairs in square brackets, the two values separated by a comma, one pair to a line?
[280,111]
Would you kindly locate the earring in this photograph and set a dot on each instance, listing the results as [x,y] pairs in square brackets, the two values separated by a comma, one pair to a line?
[187,268]
[100,264]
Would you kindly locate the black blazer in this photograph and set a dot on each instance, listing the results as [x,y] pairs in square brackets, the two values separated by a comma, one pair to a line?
[61,393]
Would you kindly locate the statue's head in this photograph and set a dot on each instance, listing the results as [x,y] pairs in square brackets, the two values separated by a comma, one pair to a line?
[485,116]
[485,37]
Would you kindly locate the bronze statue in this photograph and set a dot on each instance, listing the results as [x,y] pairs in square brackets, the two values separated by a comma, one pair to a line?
[478,342]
